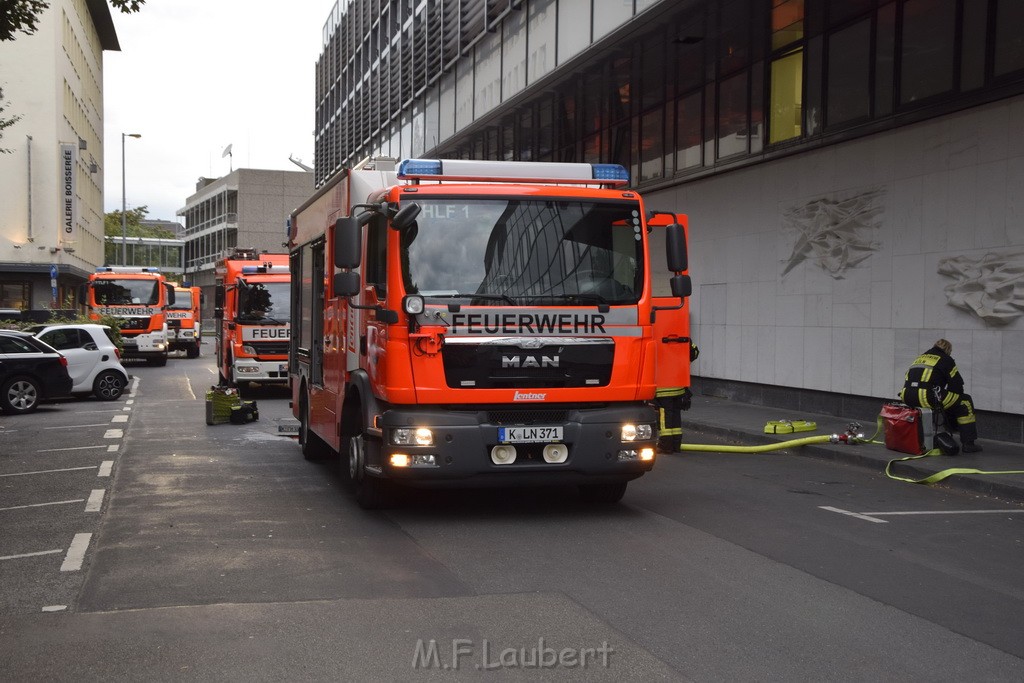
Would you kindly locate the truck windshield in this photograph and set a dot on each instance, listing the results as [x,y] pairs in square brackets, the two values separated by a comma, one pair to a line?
[124,292]
[264,301]
[182,300]
[517,251]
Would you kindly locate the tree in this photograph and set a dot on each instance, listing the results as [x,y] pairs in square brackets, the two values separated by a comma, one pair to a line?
[133,226]
[21,16]
[5,122]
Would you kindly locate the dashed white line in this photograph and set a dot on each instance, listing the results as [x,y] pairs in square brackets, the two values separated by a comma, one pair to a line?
[95,501]
[105,467]
[40,505]
[55,608]
[113,434]
[119,418]
[76,553]
[112,448]
[66,469]
[42,552]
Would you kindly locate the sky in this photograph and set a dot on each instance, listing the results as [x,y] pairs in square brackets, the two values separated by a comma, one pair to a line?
[194,76]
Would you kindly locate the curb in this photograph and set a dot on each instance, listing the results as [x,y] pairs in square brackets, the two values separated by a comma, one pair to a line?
[989,485]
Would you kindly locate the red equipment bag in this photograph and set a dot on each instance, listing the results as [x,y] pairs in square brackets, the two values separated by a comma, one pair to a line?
[904,431]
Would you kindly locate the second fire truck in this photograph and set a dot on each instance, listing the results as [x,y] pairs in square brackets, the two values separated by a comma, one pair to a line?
[253,317]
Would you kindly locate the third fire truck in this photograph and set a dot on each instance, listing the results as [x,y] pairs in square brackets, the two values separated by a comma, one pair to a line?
[485,323]
[184,325]
[253,317]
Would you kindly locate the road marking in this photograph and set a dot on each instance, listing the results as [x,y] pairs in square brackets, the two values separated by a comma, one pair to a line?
[126,409]
[112,448]
[40,505]
[68,469]
[102,424]
[95,501]
[76,553]
[55,608]
[129,401]
[188,385]
[853,514]
[113,434]
[43,552]
[105,468]
[74,447]
[873,516]
[119,418]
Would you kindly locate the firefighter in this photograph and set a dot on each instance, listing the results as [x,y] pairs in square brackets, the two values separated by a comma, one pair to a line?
[671,402]
[933,381]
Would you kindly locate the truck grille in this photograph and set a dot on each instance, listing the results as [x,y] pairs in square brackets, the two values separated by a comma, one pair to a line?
[135,323]
[527,417]
[528,363]
[270,348]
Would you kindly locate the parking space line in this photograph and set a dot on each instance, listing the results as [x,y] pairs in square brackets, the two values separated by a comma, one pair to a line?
[113,434]
[42,552]
[95,501]
[76,553]
[70,448]
[102,424]
[40,505]
[853,514]
[112,448]
[119,418]
[873,516]
[55,608]
[105,468]
[66,469]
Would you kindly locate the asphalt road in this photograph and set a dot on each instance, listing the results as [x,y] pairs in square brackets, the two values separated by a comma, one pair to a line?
[217,552]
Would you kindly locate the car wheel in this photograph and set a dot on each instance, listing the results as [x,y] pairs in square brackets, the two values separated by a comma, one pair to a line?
[109,385]
[20,395]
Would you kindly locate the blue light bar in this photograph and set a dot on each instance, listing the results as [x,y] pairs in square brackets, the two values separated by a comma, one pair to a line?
[250,270]
[419,167]
[610,172]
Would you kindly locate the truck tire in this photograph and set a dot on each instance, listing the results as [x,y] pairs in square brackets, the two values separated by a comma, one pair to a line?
[313,447]
[157,362]
[603,494]
[371,493]
[192,351]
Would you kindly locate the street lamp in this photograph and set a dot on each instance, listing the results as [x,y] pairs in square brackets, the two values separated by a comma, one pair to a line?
[124,201]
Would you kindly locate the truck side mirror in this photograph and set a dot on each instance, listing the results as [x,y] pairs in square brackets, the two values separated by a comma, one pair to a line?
[346,284]
[170,293]
[675,248]
[405,216]
[348,243]
[218,298]
[682,286]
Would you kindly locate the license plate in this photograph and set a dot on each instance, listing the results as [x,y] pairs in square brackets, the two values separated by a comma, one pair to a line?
[529,434]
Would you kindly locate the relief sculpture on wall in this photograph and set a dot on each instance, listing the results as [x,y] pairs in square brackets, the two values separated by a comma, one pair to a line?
[835,233]
[990,287]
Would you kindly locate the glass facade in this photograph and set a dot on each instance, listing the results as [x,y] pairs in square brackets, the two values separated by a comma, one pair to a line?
[165,254]
[670,90]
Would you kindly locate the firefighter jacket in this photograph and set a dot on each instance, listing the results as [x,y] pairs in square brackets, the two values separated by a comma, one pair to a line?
[932,376]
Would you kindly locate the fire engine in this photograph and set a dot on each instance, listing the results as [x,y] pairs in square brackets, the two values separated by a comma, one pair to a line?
[484,323]
[140,298]
[184,326]
[253,317]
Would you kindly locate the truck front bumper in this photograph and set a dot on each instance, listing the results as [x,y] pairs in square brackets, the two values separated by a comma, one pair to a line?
[144,345]
[261,371]
[590,451]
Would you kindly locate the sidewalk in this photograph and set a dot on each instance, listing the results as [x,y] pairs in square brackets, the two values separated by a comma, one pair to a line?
[744,423]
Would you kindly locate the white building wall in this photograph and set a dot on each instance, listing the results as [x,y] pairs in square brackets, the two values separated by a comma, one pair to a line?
[833,269]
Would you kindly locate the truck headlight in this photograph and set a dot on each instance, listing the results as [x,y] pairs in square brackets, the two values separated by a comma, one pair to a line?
[412,436]
[413,304]
[632,432]
[248,350]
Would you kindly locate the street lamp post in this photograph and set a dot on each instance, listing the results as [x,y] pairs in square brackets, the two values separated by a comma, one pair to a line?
[124,202]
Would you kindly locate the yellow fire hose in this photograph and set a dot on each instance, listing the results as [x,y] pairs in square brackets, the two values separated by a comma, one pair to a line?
[851,437]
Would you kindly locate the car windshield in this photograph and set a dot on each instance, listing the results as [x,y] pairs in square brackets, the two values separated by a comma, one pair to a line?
[515,251]
[269,301]
[114,292]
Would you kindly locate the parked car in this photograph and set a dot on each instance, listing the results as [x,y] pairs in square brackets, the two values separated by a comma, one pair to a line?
[94,361]
[30,372]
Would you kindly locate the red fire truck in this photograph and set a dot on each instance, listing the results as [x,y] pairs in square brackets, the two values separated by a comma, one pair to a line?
[140,297]
[253,317]
[484,323]
[184,325]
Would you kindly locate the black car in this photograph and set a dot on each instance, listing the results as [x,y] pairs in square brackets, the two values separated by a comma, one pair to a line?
[30,371]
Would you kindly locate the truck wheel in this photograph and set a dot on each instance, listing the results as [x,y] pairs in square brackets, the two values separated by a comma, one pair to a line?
[20,395]
[603,494]
[108,385]
[192,351]
[372,493]
[157,362]
[313,447]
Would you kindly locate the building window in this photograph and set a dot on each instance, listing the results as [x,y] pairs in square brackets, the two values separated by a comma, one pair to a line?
[652,145]
[15,295]
[786,97]
[787,22]
[849,74]
[688,133]
[1009,49]
[732,116]
[927,51]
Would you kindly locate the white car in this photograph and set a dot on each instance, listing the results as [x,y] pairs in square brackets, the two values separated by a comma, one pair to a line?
[94,362]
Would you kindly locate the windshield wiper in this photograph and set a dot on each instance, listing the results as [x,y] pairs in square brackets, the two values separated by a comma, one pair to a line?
[484,296]
[569,298]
